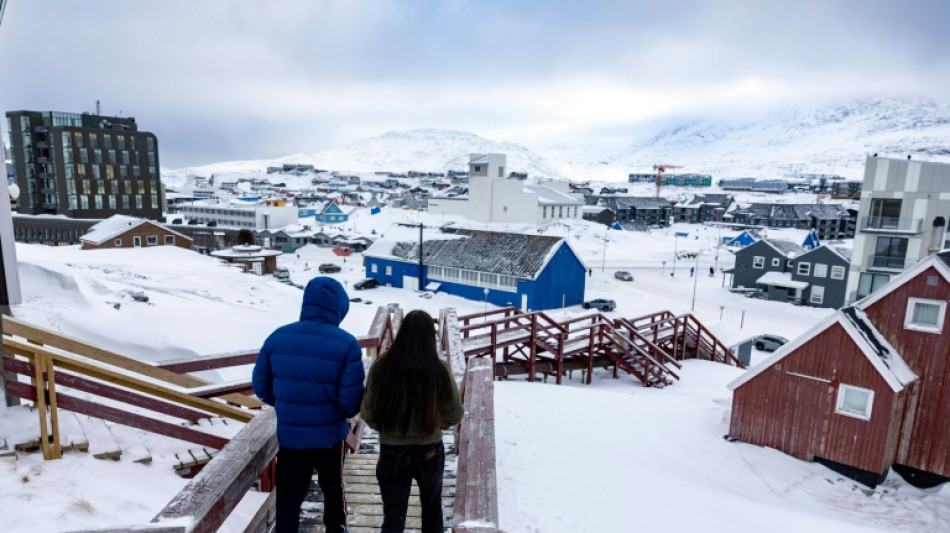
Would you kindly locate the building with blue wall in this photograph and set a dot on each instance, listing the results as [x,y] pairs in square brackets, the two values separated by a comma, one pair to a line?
[334,214]
[532,272]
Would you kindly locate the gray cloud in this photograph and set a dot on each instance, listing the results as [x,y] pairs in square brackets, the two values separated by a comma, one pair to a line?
[219,80]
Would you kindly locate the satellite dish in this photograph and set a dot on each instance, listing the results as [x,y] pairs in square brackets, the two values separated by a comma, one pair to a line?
[14,191]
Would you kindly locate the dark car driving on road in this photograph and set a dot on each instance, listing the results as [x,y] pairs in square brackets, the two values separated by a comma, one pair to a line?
[328,267]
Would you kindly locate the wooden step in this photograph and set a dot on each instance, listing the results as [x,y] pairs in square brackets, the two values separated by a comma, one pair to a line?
[130,442]
[21,430]
[71,435]
[101,443]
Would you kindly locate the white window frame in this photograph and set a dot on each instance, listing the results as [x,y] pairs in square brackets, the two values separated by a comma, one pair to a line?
[807,270]
[137,241]
[820,270]
[837,272]
[169,240]
[374,268]
[389,270]
[117,242]
[820,297]
[776,261]
[151,240]
[758,262]
[926,328]
[839,404]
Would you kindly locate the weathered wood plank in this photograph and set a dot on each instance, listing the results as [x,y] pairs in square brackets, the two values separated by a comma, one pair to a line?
[12,326]
[101,389]
[133,449]
[476,498]
[101,443]
[118,378]
[266,517]
[211,496]
[210,362]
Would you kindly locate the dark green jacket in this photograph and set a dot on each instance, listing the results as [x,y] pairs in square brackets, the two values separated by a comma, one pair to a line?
[452,414]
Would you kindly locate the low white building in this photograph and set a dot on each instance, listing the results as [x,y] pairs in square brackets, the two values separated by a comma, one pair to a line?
[492,197]
[238,214]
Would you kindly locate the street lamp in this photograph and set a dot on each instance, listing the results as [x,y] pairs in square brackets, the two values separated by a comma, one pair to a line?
[485,290]
[676,237]
[603,263]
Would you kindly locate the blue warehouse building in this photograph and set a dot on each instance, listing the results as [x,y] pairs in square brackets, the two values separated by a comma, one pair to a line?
[532,272]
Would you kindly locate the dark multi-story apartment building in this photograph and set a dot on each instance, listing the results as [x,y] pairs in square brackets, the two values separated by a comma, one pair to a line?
[84,165]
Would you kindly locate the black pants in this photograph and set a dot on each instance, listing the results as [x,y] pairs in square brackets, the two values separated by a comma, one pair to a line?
[294,471]
[397,467]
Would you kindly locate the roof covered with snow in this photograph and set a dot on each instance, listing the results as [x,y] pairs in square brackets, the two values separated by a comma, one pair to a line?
[117,225]
[636,202]
[548,195]
[509,254]
[882,356]
[785,247]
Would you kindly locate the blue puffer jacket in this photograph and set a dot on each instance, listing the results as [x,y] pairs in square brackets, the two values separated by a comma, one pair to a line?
[311,371]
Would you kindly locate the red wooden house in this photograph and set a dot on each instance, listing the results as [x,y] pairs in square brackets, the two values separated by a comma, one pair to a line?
[865,390]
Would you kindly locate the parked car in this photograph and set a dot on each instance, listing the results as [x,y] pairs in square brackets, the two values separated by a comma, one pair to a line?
[601,303]
[367,283]
[769,343]
[326,268]
[281,273]
[623,275]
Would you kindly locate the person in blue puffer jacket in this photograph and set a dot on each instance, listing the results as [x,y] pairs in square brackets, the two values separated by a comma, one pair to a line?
[312,372]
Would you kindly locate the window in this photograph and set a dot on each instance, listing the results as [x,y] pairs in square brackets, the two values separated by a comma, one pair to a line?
[151,240]
[817,294]
[435,272]
[758,262]
[544,212]
[837,272]
[854,401]
[804,269]
[889,252]
[821,270]
[374,268]
[925,315]
[389,271]
[117,242]
[884,214]
[776,261]
[136,241]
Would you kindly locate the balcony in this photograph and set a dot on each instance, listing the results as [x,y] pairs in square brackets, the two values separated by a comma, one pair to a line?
[907,226]
[888,263]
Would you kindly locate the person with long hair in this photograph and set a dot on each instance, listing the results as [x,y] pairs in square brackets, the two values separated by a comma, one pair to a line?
[410,398]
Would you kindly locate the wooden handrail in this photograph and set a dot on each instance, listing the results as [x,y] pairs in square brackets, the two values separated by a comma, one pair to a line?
[476,492]
[38,335]
[66,362]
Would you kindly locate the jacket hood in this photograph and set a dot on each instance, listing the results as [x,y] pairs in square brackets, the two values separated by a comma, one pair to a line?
[324,301]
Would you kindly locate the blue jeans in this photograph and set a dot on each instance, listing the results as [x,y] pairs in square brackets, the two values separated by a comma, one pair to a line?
[397,467]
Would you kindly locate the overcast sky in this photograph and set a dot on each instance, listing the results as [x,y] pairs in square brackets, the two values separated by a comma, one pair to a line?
[225,80]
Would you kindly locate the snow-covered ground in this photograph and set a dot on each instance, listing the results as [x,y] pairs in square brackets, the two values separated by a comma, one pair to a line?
[611,456]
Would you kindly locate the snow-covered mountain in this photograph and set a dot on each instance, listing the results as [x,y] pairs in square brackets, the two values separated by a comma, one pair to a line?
[833,138]
[426,150]
[829,139]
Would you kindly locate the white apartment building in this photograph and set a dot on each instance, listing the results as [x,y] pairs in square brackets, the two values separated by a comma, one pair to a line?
[492,197]
[902,219]
[251,216]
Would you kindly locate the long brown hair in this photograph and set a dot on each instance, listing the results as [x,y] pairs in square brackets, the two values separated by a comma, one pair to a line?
[409,382]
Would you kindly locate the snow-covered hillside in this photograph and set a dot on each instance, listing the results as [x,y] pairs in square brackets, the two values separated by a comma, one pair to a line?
[829,139]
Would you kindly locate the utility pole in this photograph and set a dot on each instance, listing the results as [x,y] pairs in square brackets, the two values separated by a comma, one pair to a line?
[603,263]
[421,285]
[675,252]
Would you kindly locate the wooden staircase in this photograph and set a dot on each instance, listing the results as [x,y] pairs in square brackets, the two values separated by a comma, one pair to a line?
[364,505]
